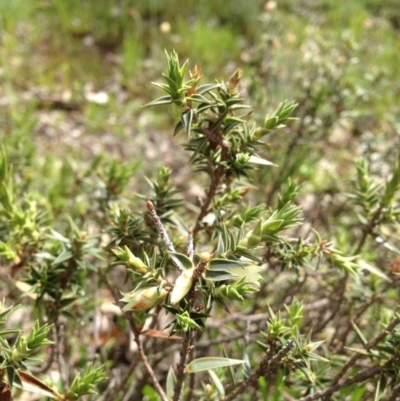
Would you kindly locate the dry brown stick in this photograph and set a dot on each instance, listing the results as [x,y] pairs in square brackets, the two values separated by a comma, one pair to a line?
[359,377]
[268,365]
[342,290]
[192,381]
[341,339]
[59,344]
[114,392]
[393,396]
[368,229]
[370,345]
[180,375]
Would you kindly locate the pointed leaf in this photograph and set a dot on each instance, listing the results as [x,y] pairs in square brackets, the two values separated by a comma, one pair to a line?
[181,260]
[197,98]
[34,385]
[258,160]
[159,101]
[217,383]
[171,381]
[250,273]
[207,363]
[219,275]
[178,127]
[186,119]
[63,256]
[206,88]
[226,264]
[374,270]
[57,236]
[360,335]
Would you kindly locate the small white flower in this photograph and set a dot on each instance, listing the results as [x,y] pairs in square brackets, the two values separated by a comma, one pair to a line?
[143,298]
[182,285]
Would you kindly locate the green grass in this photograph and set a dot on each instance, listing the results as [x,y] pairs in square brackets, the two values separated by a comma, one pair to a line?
[338,60]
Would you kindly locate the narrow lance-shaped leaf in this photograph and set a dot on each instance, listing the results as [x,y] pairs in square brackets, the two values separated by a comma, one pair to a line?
[217,383]
[226,264]
[187,121]
[171,382]
[219,275]
[208,363]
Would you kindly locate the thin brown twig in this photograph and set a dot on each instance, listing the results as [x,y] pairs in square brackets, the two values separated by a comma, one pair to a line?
[370,345]
[341,339]
[267,365]
[342,290]
[180,375]
[368,229]
[114,392]
[217,173]
[42,369]
[192,381]
[359,377]
[59,340]
[393,396]
[136,333]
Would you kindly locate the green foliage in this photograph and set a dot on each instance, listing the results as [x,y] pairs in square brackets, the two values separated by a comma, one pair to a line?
[256,241]
[85,383]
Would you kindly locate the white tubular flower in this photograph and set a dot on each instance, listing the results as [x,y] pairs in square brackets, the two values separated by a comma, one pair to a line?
[143,298]
[182,285]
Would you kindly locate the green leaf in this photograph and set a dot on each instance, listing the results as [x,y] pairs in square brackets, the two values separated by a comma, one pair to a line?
[258,160]
[178,127]
[57,236]
[219,275]
[63,256]
[217,383]
[171,382]
[380,387]
[11,375]
[186,119]
[159,101]
[249,272]
[208,363]
[271,227]
[366,266]
[197,98]
[226,264]
[360,335]
[206,88]
[181,260]
[67,301]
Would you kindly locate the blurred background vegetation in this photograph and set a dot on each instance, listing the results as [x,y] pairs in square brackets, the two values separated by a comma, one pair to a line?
[75,75]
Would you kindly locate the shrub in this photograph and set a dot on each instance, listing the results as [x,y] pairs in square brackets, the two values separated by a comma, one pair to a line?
[225,298]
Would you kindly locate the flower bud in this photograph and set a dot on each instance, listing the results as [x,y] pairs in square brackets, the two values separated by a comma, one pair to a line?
[234,82]
[242,159]
[250,240]
[259,132]
[143,298]
[182,285]
[205,257]
[137,264]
